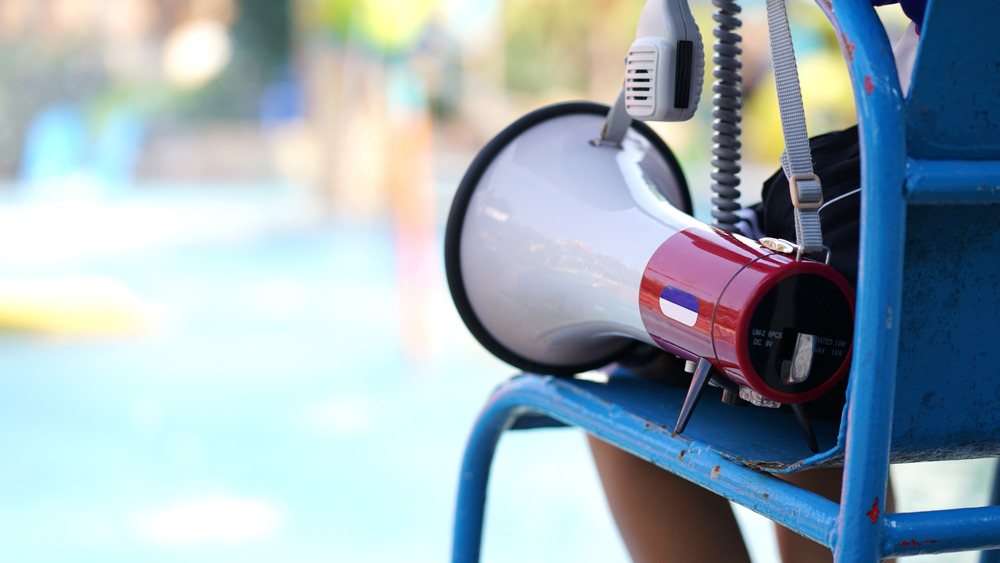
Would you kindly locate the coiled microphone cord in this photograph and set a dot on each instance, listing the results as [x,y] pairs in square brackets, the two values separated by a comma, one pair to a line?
[726,105]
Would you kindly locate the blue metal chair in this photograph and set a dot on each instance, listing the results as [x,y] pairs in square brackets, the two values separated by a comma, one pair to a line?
[926,365]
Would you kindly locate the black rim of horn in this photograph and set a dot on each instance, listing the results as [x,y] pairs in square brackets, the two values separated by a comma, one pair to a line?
[456,220]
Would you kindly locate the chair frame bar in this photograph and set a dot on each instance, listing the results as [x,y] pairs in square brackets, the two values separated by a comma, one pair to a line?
[878,100]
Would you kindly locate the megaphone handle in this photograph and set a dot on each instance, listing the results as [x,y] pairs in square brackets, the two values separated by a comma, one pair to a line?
[700,379]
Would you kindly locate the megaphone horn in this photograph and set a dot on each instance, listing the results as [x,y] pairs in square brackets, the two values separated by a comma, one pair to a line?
[562,253]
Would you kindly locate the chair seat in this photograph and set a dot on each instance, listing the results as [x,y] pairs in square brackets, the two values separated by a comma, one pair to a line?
[761,438]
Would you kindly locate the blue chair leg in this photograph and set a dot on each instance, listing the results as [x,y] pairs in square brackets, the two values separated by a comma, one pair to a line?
[473,481]
[993,556]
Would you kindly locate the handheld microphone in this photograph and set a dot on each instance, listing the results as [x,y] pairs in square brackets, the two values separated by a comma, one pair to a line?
[665,66]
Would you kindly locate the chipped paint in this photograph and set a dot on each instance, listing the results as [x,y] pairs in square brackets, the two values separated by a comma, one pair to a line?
[680,456]
[869,86]
[848,47]
[714,474]
[650,427]
[769,466]
[874,512]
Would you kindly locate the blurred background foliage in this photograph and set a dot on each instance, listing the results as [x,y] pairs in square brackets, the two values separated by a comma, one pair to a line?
[172,83]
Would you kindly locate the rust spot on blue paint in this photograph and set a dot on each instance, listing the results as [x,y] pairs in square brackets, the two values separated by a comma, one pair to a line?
[874,512]
[680,456]
[714,474]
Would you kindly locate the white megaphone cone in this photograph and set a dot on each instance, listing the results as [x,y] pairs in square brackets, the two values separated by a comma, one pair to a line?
[546,244]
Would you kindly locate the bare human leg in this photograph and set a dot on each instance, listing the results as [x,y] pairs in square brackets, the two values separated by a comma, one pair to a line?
[663,518]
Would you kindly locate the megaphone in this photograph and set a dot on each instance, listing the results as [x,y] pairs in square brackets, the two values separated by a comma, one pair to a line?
[563,252]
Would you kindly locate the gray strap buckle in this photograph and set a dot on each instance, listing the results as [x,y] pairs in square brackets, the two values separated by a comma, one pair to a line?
[806,191]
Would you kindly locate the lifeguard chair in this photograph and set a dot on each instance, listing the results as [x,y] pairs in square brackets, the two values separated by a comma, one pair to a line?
[925,373]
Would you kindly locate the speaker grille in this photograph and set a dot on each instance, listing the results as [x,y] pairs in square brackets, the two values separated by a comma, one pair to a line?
[640,74]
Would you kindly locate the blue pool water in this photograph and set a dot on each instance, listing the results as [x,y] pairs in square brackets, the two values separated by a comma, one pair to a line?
[267,410]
